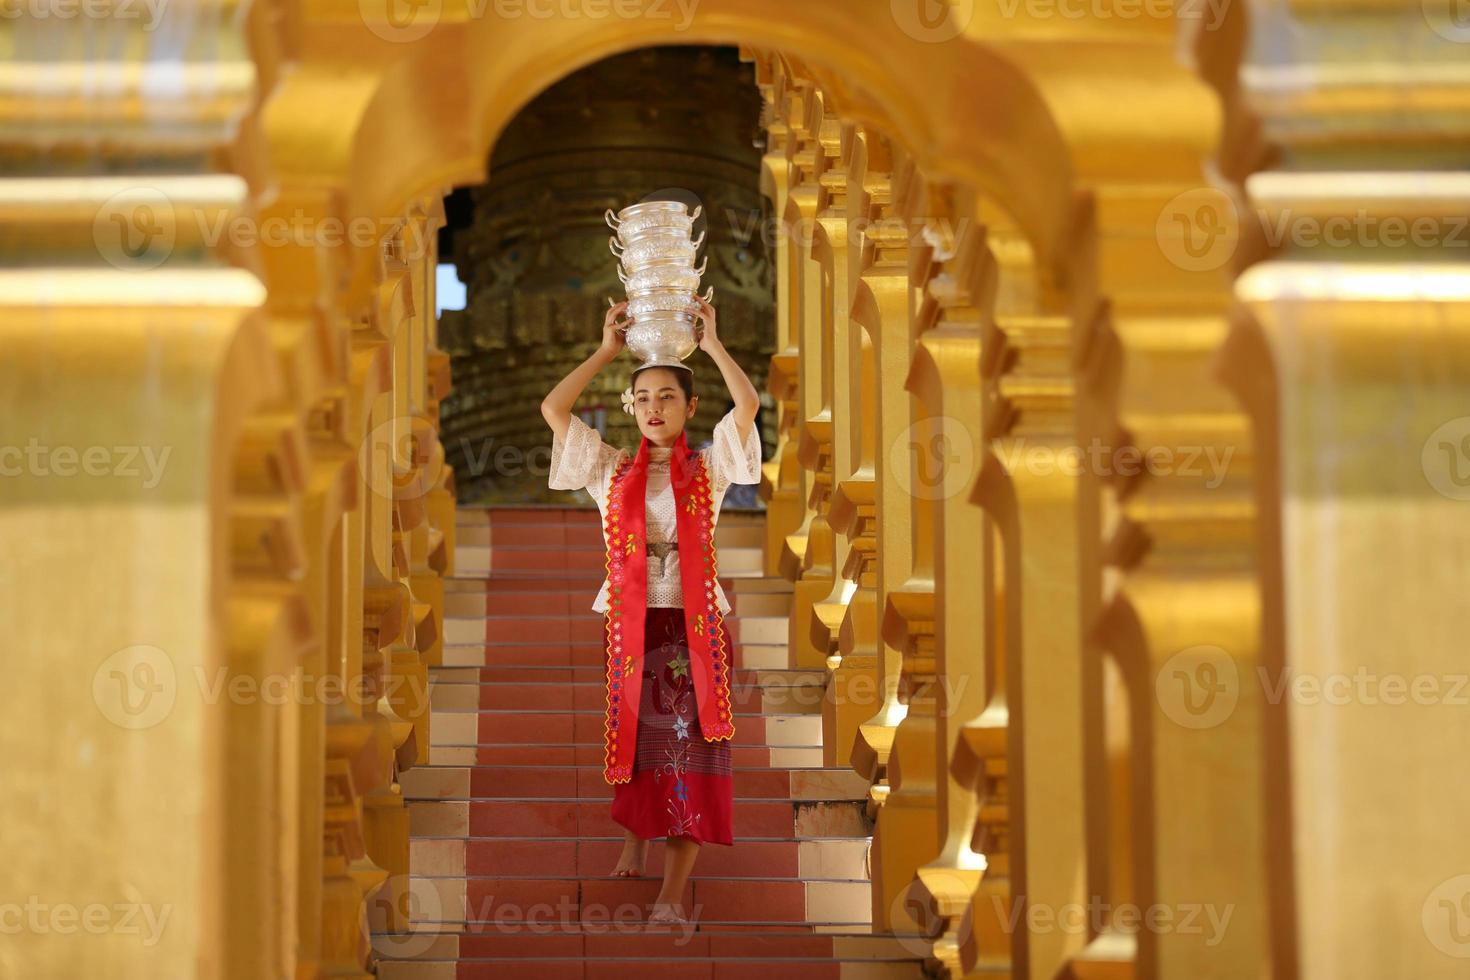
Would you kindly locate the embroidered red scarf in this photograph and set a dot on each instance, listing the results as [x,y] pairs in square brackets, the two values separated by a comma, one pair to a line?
[627,570]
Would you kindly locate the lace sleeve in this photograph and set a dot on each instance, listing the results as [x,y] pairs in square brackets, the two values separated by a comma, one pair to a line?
[729,461]
[581,459]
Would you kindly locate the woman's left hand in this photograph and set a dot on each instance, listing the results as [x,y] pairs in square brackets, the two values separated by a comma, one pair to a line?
[709,339]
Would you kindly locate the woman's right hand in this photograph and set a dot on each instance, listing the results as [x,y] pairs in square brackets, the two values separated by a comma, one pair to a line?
[613,328]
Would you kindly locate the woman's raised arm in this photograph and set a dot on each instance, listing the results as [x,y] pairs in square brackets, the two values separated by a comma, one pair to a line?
[742,392]
[556,407]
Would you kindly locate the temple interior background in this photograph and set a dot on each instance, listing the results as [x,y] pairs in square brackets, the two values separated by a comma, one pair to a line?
[1099,613]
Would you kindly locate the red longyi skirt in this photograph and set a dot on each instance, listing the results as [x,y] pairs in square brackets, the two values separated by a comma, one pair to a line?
[681,785]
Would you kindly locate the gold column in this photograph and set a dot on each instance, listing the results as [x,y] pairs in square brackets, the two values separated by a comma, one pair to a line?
[1351,345]
[958,277]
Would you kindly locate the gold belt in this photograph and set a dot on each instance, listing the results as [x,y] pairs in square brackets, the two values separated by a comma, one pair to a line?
[662,549]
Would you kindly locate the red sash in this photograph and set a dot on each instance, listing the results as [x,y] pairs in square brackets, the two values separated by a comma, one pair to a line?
[627,570]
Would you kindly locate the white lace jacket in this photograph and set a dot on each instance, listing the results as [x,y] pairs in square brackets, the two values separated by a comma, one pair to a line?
[582,461]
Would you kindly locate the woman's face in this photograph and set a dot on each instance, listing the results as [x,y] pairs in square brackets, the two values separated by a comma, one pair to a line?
[660,407]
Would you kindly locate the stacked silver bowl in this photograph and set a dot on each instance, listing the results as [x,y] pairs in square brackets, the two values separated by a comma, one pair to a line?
[656,254]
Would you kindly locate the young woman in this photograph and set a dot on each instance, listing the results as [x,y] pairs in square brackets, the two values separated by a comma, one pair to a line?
[668,656]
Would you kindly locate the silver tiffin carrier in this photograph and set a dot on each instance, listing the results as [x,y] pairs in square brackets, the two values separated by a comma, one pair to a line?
[656,265]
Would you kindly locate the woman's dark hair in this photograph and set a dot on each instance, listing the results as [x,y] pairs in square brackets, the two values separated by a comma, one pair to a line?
[685,379]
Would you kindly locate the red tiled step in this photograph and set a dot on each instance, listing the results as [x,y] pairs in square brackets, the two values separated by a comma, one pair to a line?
[579,652]
[593,674]
[609,900]
[568,583]
[569,627]
[582,728]
[528,694]
[564,559]
[544,535]
[623,940]
[586,782]
[642,969]
[597,858]
[577,818]
[591,754]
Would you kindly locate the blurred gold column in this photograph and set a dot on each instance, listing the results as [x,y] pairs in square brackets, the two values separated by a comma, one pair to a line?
[186,320]
[1174,791]
[935,617]
[808,552]
[1351,345]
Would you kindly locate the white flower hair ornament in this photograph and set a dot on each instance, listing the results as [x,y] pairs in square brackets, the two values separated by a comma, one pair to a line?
[628,399]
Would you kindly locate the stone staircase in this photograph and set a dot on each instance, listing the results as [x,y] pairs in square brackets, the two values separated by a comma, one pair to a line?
[513,844]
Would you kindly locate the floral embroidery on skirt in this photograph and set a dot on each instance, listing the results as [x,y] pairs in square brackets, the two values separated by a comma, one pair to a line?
[681,784]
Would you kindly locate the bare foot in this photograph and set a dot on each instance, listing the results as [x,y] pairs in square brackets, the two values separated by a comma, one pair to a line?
[631,861]
[666,913]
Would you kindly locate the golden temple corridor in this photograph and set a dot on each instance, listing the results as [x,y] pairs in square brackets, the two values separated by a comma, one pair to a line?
[1115,503]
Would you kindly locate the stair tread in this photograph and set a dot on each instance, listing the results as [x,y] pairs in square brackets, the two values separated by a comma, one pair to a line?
[792,897]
